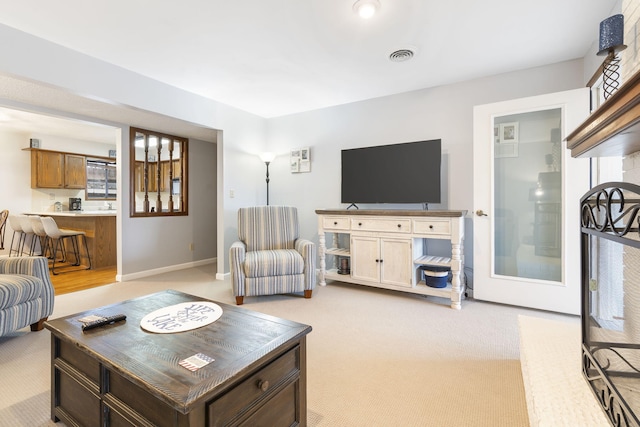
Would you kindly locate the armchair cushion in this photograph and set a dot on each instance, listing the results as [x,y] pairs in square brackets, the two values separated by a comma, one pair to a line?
[281,262]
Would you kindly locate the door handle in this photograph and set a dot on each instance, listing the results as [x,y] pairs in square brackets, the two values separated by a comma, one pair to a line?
[480,212]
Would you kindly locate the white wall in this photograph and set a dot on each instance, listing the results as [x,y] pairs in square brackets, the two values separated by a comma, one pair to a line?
[444,112]
[15,176]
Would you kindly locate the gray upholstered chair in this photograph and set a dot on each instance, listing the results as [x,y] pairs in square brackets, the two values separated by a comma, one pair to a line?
[270,258]
[26,293]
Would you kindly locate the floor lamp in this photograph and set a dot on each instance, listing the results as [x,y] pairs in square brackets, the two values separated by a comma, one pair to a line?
[267,158]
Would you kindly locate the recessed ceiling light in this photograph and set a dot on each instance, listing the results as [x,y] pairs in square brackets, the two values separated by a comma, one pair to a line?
[366,8]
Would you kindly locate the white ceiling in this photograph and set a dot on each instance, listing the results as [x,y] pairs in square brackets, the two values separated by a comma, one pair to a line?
[35,125]
[277,57]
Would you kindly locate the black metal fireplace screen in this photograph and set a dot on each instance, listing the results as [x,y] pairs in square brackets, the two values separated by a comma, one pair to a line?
[610,247]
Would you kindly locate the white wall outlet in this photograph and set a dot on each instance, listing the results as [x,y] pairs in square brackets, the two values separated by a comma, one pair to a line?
[232,194]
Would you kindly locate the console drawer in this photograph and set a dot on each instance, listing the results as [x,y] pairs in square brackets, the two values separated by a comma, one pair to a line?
[257,389]
[432,226]
[335,223]
[397,225]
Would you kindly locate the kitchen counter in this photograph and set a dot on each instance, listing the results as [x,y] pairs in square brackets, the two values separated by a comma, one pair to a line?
[100,228]
[104,212]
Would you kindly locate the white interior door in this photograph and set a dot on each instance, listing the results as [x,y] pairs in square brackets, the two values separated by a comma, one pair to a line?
[526,233]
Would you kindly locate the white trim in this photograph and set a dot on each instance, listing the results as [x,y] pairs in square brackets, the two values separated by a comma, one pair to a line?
[156,271]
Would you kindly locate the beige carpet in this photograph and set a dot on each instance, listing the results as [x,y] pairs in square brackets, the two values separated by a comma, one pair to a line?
[375,357]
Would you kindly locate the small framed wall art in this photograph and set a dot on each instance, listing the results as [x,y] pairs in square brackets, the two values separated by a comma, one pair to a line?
[300,160]
[509,132]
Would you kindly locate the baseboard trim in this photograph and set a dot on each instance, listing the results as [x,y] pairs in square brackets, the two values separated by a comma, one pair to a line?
[223,276]
[155,271]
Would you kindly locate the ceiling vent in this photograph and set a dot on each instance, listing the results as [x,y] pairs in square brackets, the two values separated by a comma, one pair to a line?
[401,55]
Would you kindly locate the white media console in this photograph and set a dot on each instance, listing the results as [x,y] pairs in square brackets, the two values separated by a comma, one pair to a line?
[385,248]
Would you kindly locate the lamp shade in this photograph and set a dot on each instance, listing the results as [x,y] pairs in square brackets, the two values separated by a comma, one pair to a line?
[611,35]
[267,157]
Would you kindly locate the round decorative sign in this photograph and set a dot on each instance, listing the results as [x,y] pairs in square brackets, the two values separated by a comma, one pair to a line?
[181,317]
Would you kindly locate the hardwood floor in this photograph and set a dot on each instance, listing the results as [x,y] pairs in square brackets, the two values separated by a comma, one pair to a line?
[73,281]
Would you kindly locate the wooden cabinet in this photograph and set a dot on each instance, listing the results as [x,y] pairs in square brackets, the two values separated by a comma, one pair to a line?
[383,260]
[75,171]
[47,169]
[386,249]
[53,169]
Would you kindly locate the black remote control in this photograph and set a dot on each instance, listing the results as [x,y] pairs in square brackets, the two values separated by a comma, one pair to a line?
[104,321]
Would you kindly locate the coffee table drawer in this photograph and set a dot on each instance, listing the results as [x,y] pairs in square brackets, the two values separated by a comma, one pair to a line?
[256,389]
[77,403]
[142,402]
[79,360]
[281,410]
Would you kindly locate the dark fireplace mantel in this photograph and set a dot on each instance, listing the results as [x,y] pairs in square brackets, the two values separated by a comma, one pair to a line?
[614,128]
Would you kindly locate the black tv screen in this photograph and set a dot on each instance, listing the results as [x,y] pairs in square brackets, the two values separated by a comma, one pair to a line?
[397,173]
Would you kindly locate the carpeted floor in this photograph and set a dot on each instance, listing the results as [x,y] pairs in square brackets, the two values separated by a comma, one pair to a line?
[375,357]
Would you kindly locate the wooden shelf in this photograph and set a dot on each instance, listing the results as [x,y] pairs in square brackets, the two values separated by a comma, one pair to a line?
[338,252]
[433,260]
[614,128]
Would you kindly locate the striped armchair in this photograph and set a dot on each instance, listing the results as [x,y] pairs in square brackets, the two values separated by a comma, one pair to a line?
[270,258]
[26,293]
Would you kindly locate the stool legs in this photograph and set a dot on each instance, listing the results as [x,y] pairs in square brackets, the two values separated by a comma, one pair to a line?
[59,244]
[21,240]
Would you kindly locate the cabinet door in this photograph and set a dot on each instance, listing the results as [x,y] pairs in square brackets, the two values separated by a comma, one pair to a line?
[365,258]
[47,169]
[396,265]
[74,171]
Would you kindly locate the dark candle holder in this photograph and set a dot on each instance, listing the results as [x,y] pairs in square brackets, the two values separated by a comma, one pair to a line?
[611,42]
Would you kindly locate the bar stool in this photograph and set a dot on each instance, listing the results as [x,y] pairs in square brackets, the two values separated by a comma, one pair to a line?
[29,236]
[57,237]
[14,223]
[40,232]
[3,226]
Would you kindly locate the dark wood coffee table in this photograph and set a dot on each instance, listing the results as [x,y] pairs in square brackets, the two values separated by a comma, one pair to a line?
[121,375]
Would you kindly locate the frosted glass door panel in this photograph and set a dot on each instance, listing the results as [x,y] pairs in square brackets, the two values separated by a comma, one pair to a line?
[527,195]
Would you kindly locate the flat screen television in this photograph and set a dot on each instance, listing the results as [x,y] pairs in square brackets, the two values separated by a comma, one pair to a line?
[397,173]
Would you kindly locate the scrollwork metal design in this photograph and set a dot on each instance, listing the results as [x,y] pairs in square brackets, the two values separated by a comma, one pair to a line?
[612,404]
[606,210]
